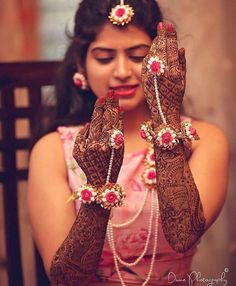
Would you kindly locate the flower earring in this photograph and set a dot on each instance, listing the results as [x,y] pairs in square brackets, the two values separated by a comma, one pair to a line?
[80,81]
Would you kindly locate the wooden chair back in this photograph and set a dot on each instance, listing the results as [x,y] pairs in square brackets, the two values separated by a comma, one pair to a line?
[21,97]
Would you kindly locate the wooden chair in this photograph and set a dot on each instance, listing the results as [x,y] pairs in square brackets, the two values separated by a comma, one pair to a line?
[31,76]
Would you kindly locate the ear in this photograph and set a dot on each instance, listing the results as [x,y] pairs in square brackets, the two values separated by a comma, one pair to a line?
[80,68]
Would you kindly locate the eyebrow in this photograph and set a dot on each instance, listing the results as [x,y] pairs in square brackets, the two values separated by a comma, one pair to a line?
[102,49]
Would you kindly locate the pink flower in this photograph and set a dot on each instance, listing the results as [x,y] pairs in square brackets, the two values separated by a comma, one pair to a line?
[151,175]
[166,137]
[86,195]
[143,134]
[111,197]
[193,131]
[120,12]
[132,244]
[119,139]
[78,82]
[152,157]
[155,67]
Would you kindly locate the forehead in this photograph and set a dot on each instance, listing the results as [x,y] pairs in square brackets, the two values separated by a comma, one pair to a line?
[120,37]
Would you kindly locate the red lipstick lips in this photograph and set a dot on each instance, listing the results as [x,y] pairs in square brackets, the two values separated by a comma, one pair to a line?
[125,90]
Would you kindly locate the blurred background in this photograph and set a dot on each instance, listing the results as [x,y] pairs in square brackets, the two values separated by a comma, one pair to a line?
[36,30]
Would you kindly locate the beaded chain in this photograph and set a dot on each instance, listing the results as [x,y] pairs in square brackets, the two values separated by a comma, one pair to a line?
[158,101]
[154,214]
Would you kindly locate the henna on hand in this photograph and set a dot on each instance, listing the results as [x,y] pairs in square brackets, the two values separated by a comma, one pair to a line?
[76,261]
[181,209]
[180,206]
[93,152]
[171,84]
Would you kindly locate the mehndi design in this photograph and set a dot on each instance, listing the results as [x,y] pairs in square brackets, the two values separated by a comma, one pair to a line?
[76,261]
[180,206]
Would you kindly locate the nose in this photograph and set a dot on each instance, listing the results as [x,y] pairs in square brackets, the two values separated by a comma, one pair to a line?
[122,69]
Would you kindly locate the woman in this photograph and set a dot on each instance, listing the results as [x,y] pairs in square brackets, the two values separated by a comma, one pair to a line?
[172,185]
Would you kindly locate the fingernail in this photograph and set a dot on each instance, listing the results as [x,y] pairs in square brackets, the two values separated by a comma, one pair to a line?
[110,94]
[101,100]
[160,26]
[115,96]
[170,27]
[120,109]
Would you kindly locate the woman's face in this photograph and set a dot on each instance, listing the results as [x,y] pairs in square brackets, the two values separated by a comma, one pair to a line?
[114,62]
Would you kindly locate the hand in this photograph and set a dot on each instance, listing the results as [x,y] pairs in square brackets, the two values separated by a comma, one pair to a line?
[92,151]
[171,84]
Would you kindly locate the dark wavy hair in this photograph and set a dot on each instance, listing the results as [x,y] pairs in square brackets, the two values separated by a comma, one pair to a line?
[74,106]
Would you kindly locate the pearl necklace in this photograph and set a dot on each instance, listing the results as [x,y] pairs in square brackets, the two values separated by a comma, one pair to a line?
[115,255]
[134,217]
[149,163]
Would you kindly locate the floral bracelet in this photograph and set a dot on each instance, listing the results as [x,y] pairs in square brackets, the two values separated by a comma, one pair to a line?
[108,196]
[166,137]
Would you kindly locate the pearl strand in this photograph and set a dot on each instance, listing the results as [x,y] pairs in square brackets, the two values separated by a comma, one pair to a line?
[110,165]
[134,217]
[158,101]
[112,243]
[153,254]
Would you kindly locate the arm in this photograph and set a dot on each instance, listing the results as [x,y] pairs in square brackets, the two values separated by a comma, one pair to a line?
[77,257]
[180,200]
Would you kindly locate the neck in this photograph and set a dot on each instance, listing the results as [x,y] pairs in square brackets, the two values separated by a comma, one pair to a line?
[132,122]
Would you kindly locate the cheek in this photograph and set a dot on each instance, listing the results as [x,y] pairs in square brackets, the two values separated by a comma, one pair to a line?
[97,81]
[138,71]
[98,87]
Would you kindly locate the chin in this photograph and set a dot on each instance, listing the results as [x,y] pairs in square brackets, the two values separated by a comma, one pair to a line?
[131,105]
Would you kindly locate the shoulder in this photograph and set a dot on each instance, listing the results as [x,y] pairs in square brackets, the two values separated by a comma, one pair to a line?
[210,135]
[47,143]
[48,153]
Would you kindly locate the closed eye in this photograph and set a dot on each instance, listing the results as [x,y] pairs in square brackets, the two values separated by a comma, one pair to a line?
[104,60]
[137,59]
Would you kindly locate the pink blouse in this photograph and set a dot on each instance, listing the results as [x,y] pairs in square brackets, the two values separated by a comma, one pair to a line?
[130,240]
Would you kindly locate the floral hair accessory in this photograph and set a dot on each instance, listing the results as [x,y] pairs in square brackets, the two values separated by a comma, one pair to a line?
[156,66]
[121,14]
[110,195]
[116,139]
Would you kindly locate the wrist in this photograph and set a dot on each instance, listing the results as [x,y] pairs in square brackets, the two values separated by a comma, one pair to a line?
[167,136]
[107,196]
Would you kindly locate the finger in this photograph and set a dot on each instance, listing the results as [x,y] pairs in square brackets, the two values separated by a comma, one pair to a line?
[97,120]
[182,63]
[121,119]
[159,45]
[81,140]
[172,52]
[182,59]
[119,153]
[82,133]
[111,113]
